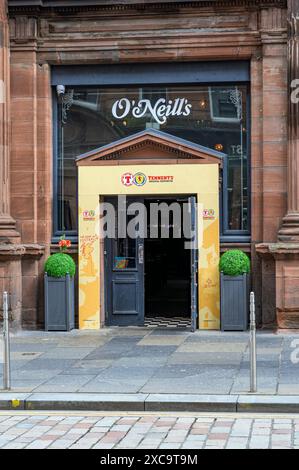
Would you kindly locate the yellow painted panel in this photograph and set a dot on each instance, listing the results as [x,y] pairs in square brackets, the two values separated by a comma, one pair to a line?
[186,178]
[200,180]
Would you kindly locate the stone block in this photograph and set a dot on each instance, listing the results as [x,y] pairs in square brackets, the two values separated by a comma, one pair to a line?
[87,401]
[22,207]
[268,403]
[22,79]
[287,293]
[275,204]
[22,183]
[275,153]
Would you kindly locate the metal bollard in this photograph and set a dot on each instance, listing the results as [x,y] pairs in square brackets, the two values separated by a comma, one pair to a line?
[253,379]
[6,363]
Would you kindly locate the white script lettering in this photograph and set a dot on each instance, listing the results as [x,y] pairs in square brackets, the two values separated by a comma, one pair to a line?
[160,110]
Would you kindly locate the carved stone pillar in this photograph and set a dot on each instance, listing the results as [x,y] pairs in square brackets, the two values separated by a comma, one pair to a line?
[289,231]
[10,249]
[7,223]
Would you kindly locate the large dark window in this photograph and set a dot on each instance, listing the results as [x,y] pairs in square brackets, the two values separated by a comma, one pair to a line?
[213,116]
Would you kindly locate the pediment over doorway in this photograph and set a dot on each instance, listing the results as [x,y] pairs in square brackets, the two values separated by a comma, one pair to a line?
[150,146]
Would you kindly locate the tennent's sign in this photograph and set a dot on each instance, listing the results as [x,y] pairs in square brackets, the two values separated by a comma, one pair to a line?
[139,179]
[160,110]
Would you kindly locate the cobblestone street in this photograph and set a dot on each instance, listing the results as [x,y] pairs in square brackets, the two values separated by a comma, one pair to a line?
[147,431]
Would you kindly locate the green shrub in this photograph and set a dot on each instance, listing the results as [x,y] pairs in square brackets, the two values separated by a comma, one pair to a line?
[59,264]
[234,263]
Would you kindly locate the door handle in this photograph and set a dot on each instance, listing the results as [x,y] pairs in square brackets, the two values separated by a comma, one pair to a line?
[140,254]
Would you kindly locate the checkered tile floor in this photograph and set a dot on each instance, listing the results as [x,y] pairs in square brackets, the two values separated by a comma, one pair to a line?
[167,322]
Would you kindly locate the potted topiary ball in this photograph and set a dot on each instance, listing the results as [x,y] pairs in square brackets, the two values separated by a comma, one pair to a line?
[60,270]
[234,269]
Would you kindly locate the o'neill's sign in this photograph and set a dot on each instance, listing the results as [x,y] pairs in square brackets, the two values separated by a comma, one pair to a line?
[160,110]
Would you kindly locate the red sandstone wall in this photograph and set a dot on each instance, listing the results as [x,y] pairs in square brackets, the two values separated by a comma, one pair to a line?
[31,170]
[163,35]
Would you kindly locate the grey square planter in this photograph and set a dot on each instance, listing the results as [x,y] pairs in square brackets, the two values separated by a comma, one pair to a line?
[234,302]
[59,303]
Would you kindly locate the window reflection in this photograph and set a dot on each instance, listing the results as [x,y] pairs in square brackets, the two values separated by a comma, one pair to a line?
[217,120]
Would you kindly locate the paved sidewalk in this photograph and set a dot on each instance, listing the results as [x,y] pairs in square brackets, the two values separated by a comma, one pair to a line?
[71,431]
[139,360]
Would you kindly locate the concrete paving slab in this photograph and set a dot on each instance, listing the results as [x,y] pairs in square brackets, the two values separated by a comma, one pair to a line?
[141,361]
[265,362]
[82,342]
[92,364]
[205,358]
[114,331]
[169,332]
[151,351]
[26,385]
[196,385]
[67,353]
[105,354]
[24,356]
[125,340]
[30,346]
[265,349]
[57,388]
[47,364]
[64,383]
[288,389]
[194,370]
[100,385]
[86,371]
[262,371]
[218,337]
[165,340]
[123,373]
[34,374]
[19,364]
[288,379]
[213,347]
[243,390]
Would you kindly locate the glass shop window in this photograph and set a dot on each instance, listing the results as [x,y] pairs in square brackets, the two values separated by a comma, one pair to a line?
[212,116]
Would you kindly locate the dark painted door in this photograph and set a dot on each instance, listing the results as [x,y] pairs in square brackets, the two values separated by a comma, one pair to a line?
[124,270]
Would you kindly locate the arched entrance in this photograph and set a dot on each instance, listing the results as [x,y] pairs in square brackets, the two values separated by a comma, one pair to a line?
[123,279]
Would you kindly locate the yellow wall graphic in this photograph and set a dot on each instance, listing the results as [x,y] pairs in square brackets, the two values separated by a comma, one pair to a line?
[209,277]
[199,180]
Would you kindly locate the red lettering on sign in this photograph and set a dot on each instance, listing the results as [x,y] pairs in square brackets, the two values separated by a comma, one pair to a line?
[159,178]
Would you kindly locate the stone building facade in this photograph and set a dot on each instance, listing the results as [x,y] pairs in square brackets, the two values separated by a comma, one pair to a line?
[40,36]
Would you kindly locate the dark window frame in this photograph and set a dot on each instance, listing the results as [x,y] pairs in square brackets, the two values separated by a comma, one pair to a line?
[235,73]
